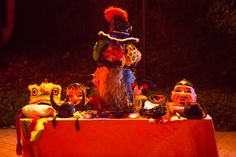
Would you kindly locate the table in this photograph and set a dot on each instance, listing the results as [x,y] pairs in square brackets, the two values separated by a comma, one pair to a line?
[123,137]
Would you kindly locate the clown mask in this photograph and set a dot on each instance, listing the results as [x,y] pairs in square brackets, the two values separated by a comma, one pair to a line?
[183,93]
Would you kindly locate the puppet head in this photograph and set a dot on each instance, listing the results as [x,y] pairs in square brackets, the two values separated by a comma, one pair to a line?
[39,104]
[75,92]
[183,93]
[41,94]
[75,101]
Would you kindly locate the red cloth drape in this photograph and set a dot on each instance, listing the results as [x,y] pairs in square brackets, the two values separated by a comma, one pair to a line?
[187,138]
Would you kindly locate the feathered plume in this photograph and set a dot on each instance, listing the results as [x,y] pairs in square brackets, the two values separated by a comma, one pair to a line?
[112,11]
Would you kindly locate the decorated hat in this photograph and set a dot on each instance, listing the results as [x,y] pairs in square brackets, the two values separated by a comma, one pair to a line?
[119,27]
[184,82]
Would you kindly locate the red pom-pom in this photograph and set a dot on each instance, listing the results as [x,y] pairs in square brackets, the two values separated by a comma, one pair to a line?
[112,11]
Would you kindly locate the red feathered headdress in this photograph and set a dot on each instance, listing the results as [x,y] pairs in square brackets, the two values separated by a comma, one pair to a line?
[112,11]
[119,25]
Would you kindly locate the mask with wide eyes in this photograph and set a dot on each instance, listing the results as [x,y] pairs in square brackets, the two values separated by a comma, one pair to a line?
[56,91]
[34,92]
[41,93]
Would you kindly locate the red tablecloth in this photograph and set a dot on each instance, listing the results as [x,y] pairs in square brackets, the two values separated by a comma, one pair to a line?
[124,137]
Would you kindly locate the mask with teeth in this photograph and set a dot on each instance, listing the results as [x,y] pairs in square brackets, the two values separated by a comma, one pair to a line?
[183,93]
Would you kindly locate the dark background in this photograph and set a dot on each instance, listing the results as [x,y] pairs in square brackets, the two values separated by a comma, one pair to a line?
[181,38]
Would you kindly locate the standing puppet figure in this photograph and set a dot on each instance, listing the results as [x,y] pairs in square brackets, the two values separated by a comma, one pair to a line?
[115,55]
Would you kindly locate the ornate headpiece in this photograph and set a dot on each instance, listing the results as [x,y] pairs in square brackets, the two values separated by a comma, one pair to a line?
[119,25]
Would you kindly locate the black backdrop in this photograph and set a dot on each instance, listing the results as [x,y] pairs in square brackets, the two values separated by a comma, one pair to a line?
[180,39]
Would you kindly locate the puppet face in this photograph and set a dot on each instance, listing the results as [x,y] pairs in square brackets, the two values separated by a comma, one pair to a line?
[183,94]
[41,94]
[75,93]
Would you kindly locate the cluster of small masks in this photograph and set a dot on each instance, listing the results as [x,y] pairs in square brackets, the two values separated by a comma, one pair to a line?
[45,100]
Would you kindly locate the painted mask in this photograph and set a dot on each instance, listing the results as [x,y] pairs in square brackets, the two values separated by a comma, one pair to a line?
[75,92]
[41,94]
[75,100]
[183,93]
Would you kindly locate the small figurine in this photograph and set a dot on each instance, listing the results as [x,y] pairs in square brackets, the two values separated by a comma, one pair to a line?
[184,101]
